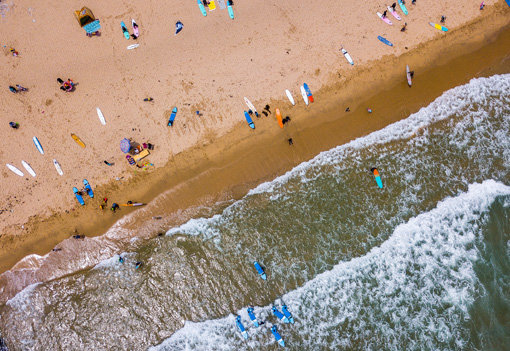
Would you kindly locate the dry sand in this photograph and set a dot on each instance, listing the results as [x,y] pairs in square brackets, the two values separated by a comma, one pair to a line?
[209,66]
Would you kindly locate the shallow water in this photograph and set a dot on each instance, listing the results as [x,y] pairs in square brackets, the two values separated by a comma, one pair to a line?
[420,264]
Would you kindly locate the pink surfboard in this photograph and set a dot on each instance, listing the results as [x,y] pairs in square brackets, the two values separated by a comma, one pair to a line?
[394,13]
[135,28]
[385,19]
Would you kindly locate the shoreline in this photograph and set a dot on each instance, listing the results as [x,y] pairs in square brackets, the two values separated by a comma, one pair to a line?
[216,172]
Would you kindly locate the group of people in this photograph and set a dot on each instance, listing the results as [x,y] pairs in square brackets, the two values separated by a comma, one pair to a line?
[17,89]
[66,86]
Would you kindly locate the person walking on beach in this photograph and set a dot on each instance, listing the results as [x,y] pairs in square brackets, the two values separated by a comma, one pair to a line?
[115,207]
[403,29]
[413,2]
[443,19]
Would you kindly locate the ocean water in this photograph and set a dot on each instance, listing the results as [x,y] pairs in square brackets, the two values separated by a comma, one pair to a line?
[422,264]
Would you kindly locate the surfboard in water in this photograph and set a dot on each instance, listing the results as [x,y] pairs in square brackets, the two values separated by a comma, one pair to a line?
[385,41]
[38,145]
[289,95]
[14,169]
[28,168]
[377,177]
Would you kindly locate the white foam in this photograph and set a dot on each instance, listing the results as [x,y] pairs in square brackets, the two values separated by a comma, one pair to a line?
[415,288]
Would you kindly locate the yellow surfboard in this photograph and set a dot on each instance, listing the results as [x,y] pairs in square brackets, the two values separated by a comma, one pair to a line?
[212,5]
[78,140]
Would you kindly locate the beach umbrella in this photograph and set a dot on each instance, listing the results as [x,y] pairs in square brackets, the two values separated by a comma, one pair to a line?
[178,27]
[125,145]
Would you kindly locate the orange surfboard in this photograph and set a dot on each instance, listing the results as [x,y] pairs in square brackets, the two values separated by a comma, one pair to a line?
[279,118]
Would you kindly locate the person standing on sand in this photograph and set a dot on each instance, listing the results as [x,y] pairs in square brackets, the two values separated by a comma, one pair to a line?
[403,29]
[115,207]
[393,6]
[291,142]
[384,13]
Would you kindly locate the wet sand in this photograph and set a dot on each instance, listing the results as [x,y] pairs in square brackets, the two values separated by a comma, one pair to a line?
[217,171]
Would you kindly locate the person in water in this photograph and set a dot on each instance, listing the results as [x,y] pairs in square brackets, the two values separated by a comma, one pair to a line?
[121,259]
[138,264]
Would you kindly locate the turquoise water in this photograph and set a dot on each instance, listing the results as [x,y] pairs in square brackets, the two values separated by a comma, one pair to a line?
[420,265]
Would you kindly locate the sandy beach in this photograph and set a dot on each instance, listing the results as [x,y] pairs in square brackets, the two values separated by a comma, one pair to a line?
[210,66]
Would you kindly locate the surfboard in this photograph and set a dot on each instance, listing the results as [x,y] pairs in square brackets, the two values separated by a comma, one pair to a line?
[308,92]
[88,188]
[38,145]
[404,8]
[347,56]
[260,270]
[385,19]
[172,117]
[437,26]
[222,4]
[303,94]
[508,2]
[230,11]
[377,177]
[212,5]
[250,105]
[57,167]
[249,120]
[100,114]
[136,31]
[408,74]
[133,204]
[132,46]
[78,196]
[124,30]
[291,98]
[78,140]
[394,13]
[14,169]
[384,40]
[279,118]
[202,8]
[28,168]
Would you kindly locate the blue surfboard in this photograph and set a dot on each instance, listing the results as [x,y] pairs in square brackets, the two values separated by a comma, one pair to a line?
[404,9]
[277,336]
[385,41]
[308,92]
[279,315]
[252,316]
[241,328]
[249,120]
[124,30]
[78,196]
[202,8]
[172,116]
[287,314]
[88,188]
[377,177]
[231,11]
[38,145]
[508,2]
[260,270]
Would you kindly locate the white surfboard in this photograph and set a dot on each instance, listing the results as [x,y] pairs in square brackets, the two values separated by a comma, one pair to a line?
[57,167]
[28,168]
[289,95]
[347,56]
[303,93]
[101,116]
[408,74]
[38,145]
[14,169]
[249,104]
[133,46]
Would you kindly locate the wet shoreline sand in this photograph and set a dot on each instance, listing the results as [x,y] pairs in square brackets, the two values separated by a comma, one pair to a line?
[216,171]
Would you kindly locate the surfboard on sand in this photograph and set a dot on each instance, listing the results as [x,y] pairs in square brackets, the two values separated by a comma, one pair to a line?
[308,92]
[347,56]
[437,26]
[409,78]
[394,13]
[385,19]
[250,106]
[124,30]
[136,31]
[249,120]
[289,95]
[100,115]
[385,41]
[28,168]
[404,8]
[57,167]
[172,117]
[14,169]
[88,188]
[78,140]
[279,118]
[134,204]
[230,11]
[38,145]
[132,46]
[303,94]
[212,5]
[78,196]
[201,7]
